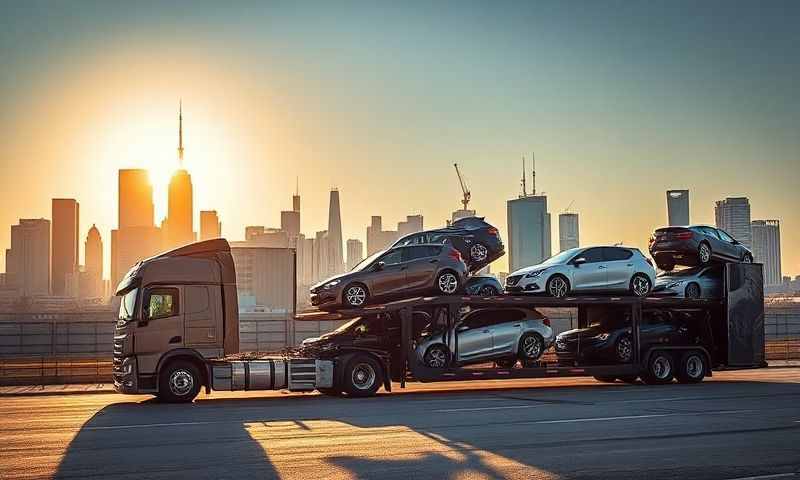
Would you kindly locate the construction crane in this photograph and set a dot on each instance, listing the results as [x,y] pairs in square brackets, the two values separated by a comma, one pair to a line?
[568,207]
[464,189]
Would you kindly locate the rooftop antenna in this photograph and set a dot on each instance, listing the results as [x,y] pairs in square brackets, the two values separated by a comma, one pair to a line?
[524,187]
[533,177]
[566,210]
[297,186]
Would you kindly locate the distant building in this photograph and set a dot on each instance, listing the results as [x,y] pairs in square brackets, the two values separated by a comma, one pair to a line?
[461,213]
[320,254]
[65,218]
[305,261]
[28,259]
[135,199]
[733,216]
[136,237]
[412,224]
[678,207]
[528,231]
[179,225]
[767,248]
[568,231]
[264,277]
[252,231]
[210,226]
[355,253]
[335,255]
[379,239]
[290,223]
[93,258]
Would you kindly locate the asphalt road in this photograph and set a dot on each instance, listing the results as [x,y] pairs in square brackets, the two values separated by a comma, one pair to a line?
[738,424]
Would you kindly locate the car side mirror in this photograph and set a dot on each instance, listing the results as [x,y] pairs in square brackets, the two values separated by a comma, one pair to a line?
[379,266]
[462,328]
[579,261]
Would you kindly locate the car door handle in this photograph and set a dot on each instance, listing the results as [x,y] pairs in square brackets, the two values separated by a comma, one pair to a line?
[630,264]
[487,331]
[601,267]
[516,325]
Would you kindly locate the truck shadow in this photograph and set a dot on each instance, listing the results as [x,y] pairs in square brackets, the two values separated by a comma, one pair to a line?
[314,436]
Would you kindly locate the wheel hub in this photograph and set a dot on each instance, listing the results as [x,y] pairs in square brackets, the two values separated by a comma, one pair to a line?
[181,382]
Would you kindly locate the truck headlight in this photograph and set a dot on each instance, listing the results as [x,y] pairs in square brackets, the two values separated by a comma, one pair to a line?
[331,284]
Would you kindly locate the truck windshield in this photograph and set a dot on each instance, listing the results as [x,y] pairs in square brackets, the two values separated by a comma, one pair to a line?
[127,305]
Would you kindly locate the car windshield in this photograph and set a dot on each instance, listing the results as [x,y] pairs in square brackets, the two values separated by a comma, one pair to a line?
[562,257]
[360,266]
[127,305]
[348,326]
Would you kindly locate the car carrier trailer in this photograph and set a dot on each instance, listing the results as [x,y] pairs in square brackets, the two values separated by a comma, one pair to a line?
[178,332]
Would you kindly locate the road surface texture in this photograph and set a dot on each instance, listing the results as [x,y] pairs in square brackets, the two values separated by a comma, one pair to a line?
[738,424]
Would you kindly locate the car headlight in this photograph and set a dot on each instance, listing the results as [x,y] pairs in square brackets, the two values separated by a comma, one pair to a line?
[601,337]
[536,273]
[673,285]
[331,284]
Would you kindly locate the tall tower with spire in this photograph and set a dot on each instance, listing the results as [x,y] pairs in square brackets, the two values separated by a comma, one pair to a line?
[179,224]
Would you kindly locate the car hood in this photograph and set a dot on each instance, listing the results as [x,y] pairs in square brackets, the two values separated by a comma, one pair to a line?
[533,268]
[341,277]
[582,332]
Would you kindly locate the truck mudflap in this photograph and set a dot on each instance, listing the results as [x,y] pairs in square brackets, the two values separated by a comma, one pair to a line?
[295,374]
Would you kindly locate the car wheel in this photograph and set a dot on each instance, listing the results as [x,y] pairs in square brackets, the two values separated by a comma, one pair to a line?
[704,253]
[558,286]
[692,291]
[506,362]
[478,252]
[623,350]
[606,379]
[355,295]
[531,347]
[179,382]
[692,367]
[363,376]
[436,356]
[487,291]
[660,369]
[447,283]
[747,258]
[640,285]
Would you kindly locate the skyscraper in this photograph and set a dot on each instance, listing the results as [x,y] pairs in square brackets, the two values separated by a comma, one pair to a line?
[320,253]
[733,216]
[767,249]
[28,259]
[355,252]
[678,207]
[135,199]
[568,232]
[180,221]
[210,226]
[412,224]
[528,231]
[65,218]
[93,253]
[335,256]
[290,223]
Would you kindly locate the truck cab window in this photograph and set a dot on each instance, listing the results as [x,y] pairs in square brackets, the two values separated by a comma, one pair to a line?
[162,302]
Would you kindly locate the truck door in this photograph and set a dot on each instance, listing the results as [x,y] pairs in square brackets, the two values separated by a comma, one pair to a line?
[202,316]
[160,326]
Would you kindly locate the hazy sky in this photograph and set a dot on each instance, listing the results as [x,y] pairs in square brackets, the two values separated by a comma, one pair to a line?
[619,100]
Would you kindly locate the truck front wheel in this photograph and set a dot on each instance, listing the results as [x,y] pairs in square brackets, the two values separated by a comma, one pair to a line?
[363,376]
[179,382]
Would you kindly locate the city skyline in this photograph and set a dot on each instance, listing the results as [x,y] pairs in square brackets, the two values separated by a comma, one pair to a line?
[296,112]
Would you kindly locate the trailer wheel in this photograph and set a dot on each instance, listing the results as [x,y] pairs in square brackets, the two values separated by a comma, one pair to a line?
[605,379]
[660,368]
[179,382]
[363,376]
[692,367]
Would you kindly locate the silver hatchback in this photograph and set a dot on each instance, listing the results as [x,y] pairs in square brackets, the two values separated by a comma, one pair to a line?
[502,335]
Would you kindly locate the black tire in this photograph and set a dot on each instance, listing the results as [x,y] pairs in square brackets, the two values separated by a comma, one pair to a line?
[640,285]
[660,368]
[701,253]
[629,379]
[692,291]
[363,376]
[623,349]
[555,288]
[352,293]
[447,282]
[487,291]
[436,356]
[179,382]
[692,367]
[530,348]
[605,379]
[505,362]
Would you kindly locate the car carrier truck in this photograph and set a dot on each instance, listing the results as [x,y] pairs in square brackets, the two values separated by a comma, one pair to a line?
[178,332]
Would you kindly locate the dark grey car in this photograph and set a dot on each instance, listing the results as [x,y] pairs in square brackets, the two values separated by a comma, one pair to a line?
[399,271]
[695,282]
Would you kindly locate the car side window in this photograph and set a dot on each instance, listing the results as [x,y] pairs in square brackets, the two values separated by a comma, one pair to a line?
[414,253]
[393,257]
[613,254]
[724,236]
[477,320]
[710,232]
[161,303]
[592,255]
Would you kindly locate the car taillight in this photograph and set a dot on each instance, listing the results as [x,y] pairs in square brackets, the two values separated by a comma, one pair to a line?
[492,231]
[652,240]
[455,255]
[682,235]
[546,321]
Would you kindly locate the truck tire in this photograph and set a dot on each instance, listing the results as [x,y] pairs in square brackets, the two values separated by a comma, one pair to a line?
[660,368]
[179,382]
[691,367]
[363,376]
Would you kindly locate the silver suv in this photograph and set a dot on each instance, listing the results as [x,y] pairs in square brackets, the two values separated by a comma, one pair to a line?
[587,269]
[503,335]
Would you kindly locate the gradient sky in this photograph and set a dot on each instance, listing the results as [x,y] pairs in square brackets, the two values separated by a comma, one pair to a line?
[619,100]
